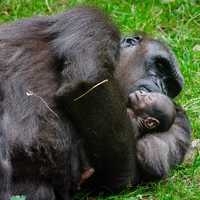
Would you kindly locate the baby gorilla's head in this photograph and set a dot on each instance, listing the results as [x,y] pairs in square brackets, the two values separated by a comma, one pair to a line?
[153,112]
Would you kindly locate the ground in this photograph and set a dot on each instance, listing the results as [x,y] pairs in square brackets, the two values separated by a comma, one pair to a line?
[178,23]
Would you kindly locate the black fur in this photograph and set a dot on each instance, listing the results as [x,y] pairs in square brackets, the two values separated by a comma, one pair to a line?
[41,58]
[48,60]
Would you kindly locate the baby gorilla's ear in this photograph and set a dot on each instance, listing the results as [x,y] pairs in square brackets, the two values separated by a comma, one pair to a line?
[151,122]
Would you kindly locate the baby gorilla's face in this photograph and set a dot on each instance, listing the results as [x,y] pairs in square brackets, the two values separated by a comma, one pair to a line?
[141,102]
[151,111]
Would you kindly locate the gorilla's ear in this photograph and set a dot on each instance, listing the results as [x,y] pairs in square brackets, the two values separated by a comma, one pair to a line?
[151,122]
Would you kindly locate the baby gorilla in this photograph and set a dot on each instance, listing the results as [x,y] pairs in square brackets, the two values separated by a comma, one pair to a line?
[151,111]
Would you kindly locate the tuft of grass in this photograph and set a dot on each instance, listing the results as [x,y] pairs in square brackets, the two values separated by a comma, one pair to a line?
[178,23]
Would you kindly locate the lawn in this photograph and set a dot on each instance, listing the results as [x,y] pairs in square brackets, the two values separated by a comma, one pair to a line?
[178,23]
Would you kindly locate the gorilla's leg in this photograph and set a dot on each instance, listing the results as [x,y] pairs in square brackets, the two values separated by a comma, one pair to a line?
[158,153]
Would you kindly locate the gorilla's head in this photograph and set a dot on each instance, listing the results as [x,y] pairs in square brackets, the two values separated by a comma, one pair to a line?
[147,64]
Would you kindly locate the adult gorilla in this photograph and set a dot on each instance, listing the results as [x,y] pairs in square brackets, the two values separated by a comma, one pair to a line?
[46,64]
[147,64]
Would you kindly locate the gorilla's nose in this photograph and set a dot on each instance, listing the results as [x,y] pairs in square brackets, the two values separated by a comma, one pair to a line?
[130,41]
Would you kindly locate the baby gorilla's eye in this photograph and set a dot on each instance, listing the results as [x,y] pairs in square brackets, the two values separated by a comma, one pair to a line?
[148,99]
[141,92]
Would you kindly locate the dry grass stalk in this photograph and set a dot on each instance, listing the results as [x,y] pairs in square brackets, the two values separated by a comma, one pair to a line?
[30,93]
[91,89]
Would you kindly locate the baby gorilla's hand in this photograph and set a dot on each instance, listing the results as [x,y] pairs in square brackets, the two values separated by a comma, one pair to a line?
[87,173]
[80,167]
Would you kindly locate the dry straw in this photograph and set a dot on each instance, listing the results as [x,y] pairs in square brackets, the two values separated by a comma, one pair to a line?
[91,89]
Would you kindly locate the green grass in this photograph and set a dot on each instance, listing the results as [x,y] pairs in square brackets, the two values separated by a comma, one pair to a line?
[178,23]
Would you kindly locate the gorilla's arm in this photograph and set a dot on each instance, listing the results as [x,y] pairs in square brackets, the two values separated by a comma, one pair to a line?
[90,95]
[158,153]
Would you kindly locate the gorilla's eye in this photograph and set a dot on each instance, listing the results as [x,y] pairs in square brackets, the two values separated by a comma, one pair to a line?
[142,92]
[130,41]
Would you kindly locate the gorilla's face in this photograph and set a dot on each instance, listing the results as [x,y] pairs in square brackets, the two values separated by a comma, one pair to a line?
[147,64]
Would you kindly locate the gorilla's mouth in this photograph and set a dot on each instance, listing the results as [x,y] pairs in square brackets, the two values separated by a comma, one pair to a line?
[149,84]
